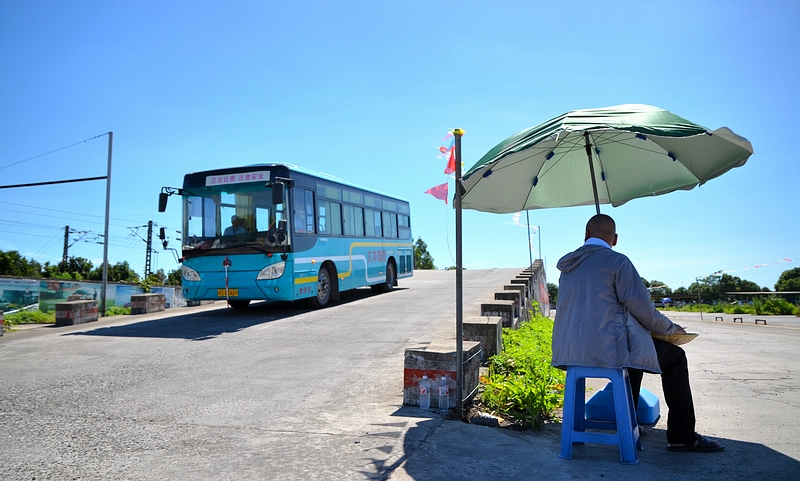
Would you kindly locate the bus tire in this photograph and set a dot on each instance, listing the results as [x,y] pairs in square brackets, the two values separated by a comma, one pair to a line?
[239,304]
[324,286]
[391,278]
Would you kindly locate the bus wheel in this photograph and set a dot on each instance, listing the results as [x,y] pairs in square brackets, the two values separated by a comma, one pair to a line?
[239,304]
[390,280]
[323,289]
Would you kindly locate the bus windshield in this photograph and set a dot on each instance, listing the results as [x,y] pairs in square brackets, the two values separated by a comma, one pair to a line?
[234,215]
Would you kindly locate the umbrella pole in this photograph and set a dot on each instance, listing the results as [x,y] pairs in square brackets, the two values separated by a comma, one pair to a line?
[591,170]
[458,133]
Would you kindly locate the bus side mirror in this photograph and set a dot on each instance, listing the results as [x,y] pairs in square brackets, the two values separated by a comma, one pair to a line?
[162,201]
[277,193]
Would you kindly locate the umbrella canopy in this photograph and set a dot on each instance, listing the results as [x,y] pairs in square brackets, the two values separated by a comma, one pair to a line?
[600,156]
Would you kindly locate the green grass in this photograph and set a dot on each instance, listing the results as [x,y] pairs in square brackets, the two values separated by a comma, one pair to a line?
[521,384]
[771,306]
[29,317]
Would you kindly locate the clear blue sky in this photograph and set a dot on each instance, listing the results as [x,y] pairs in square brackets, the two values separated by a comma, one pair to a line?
[366,91]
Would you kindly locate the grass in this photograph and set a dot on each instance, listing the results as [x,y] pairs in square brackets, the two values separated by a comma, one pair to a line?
[39,317]
[770,306]
[521,384]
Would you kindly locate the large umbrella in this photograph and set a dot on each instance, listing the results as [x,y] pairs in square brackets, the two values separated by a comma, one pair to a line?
[600,156]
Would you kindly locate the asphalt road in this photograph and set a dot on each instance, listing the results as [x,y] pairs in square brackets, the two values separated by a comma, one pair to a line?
[273,391]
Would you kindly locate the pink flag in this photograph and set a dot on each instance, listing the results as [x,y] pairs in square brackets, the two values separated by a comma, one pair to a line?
[451,163]
[440,192]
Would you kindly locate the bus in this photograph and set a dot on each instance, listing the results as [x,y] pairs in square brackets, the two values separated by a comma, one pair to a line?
[279,232]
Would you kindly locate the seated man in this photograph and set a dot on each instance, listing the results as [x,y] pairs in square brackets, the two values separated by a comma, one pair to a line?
[604,319]
[235,228]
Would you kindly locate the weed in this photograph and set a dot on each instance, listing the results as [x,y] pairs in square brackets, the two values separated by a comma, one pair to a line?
[521,383]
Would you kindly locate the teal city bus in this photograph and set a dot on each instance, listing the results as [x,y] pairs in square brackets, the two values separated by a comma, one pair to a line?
[279,232]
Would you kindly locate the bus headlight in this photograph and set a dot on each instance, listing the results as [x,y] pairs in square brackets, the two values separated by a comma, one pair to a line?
[189,274]
[272,272]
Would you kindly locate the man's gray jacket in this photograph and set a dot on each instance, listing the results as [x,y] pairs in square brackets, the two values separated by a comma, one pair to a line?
[604,316]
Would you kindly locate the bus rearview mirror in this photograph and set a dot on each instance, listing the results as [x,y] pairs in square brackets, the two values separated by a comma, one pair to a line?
[162,201]
[277,193]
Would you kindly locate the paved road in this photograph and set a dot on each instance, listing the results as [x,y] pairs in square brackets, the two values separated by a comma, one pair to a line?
[285,393]
[267,392]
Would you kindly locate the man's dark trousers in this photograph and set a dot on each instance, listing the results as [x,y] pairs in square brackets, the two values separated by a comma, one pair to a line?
[677,393]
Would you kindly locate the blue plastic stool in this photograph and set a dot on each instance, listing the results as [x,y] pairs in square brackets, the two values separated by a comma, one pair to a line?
[575,424]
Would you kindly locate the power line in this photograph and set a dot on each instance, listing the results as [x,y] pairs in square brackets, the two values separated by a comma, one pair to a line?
[66,212]
[53,151]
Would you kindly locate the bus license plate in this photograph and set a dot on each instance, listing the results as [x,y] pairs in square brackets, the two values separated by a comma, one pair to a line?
[231,292]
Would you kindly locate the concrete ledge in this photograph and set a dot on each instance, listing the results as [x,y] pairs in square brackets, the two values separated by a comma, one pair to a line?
[435,360]
[75,312]
[488,331]
[516,297]
[504,309]
[147,303]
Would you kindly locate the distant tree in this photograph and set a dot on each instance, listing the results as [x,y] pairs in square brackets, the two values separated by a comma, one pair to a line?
[552,291]
[658,288]
[122,272]
[729,283]
[13,264]
[422,259]
[789,280]
[174,277]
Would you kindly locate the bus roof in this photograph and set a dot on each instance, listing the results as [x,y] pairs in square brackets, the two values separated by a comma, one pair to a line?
[291,168]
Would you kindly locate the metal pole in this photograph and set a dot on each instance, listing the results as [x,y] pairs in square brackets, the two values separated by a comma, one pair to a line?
[530,247]
[105,235]
[591,170]
[459,281]
[539,235]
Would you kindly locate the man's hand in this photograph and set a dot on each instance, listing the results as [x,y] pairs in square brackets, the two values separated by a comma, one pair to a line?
[680,330]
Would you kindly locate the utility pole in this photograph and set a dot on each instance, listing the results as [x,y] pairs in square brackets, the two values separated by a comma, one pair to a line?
[66,244]
[149,249]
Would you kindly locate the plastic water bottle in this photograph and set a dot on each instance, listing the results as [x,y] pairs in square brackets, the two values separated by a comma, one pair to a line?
[425,393]
[444,395]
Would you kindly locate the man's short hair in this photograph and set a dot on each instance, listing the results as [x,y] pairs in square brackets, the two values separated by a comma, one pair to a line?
[601,226]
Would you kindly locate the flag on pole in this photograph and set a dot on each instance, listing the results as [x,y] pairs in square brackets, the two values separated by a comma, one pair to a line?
[451,163]
[440,192]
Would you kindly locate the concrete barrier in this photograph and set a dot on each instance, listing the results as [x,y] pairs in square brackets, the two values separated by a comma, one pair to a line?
[523,292]
[435,360]
[488,331]
[516,297]
[75,312]
[147,303]
[2,323]
[503,309]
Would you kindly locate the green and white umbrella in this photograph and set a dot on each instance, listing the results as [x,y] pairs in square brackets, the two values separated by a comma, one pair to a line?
[600,156]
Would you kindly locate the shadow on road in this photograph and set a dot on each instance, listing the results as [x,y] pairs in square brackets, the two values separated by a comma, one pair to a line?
[202,326]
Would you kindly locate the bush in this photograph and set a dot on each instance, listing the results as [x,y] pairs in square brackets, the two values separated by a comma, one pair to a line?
[521,383]
[29,317]
[778,307]
[117,311]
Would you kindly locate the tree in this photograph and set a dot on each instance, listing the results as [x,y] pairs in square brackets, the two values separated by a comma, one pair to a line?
[422,259]
[789,280]
[552,292]
[174,277]
[13,264]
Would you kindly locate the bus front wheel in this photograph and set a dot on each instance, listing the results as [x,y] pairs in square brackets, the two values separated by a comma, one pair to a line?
[390,280]
[323,296]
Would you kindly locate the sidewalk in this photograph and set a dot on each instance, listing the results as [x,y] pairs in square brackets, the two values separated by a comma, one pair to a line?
[747,395]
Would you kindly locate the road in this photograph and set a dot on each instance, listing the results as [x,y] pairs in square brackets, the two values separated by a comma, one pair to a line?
[214,393]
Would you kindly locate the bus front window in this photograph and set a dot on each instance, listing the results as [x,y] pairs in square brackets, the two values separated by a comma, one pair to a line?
[232,216]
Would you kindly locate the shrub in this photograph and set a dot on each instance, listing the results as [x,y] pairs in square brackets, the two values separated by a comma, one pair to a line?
[29,317]
[521,383]
[778,307]
[118,311]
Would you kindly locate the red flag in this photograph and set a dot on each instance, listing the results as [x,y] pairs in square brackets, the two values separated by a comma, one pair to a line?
[440,192]
[451,163]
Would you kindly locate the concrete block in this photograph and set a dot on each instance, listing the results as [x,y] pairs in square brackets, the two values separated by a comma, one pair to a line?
[516,297]
[2,323]
[487,331]
[504,309]
[147,303]
[523,292]
[435,360]
[75,312]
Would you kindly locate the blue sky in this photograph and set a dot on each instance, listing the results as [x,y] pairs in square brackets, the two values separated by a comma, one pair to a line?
[366,91]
